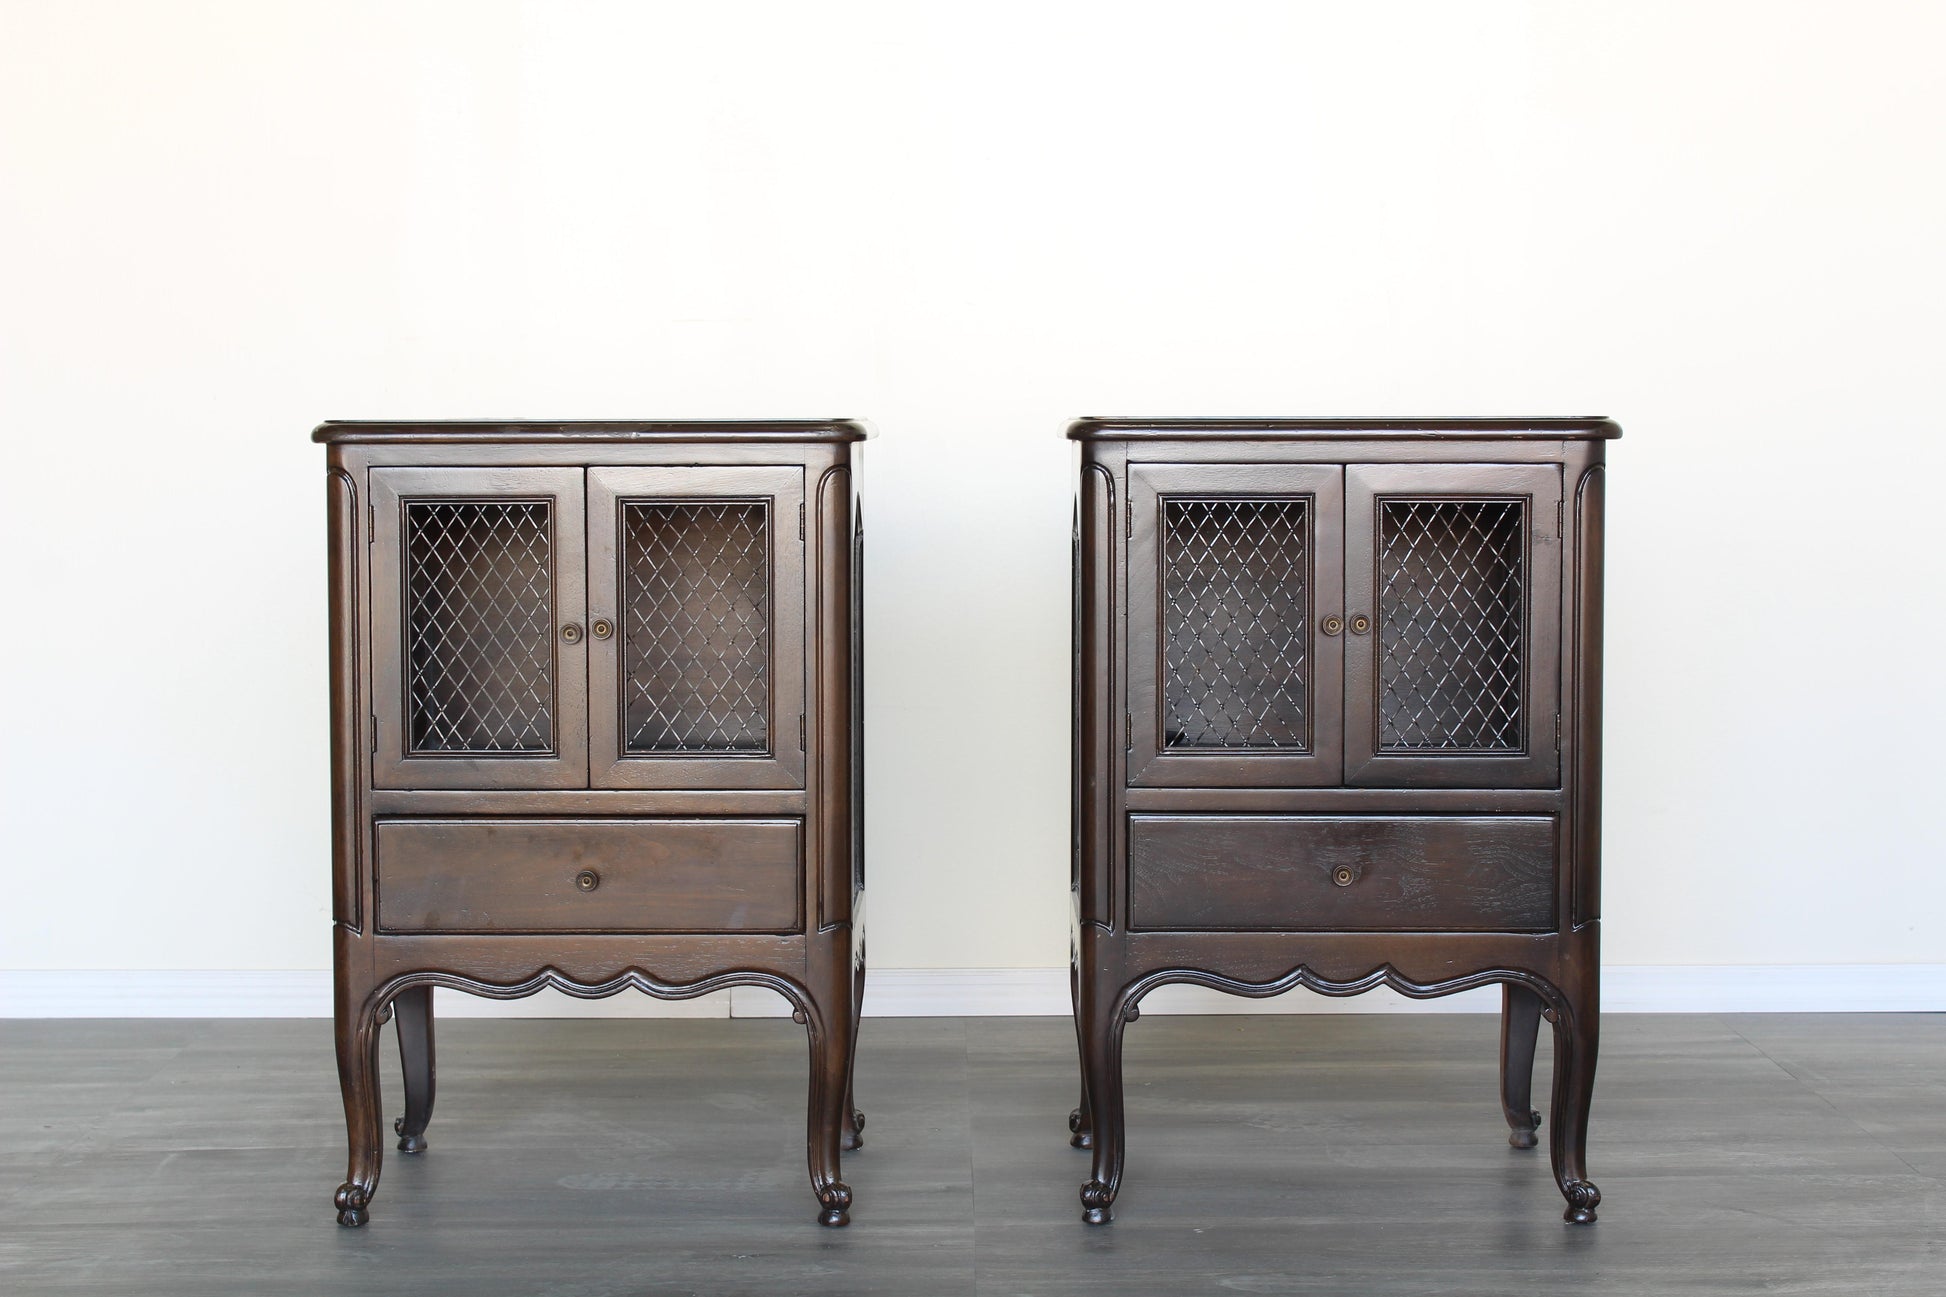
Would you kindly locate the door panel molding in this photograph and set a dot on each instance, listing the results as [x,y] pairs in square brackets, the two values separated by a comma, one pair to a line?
[1528,759]
[779,489]
[461,621]
[1215,510]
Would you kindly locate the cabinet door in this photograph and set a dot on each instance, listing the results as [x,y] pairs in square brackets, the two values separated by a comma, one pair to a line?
[1453,602]
[479,674]
[697,655]
[1235,663]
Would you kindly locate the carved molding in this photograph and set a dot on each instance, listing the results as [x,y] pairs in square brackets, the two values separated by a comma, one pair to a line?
[1304,976]
[629,979]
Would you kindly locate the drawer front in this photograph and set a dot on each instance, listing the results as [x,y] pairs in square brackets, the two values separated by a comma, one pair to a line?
[1306,873]
[534,875]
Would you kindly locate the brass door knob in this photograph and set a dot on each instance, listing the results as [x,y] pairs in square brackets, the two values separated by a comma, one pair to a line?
[571,633]
[1344,875]
[1332,625]
[587,880]
[1360,624]
[601,628]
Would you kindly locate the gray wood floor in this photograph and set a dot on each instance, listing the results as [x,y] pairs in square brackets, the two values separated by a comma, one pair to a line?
[1325,1154]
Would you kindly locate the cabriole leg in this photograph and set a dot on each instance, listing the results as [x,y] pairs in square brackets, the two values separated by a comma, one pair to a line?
[1520,1026]
[357,1039]
[1576,1035]
[1101,1049]
[412,1008]
[832,1030]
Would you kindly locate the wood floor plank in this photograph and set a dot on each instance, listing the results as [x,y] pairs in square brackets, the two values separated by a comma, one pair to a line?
[1290,1154]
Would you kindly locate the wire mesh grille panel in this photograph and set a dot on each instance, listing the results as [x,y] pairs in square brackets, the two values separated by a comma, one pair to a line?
[479,614]
[1235,616]
[696,626]
[1451,578]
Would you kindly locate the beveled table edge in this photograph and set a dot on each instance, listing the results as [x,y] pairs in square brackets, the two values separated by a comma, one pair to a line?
[478,431]
[1548,428]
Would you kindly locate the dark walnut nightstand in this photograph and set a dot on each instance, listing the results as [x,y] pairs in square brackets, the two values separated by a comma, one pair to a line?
[595,726]
[1338,726]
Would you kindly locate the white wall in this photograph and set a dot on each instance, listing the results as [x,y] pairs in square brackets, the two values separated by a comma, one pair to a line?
[1718,222]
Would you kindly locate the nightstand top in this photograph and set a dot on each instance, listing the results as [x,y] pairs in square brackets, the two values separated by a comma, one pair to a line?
[599,430]
[1125,428]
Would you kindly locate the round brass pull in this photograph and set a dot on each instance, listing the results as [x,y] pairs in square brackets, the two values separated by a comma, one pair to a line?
[1344,875]
[1360,624]
[601,628]
[1332,625]
[587,880]
[571,633]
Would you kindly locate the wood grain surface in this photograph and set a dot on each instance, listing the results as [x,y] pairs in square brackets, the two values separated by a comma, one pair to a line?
[1324,1154]
[588,875]
[1314,873]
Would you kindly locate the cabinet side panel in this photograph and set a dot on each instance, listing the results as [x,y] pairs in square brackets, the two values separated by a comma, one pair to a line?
[832,730]
[857,692]
[1099,721]
[1589,519]
[341,501]
[1081,801]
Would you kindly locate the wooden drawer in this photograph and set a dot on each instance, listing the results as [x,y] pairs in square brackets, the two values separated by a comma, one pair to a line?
[1323,873]
[529,875]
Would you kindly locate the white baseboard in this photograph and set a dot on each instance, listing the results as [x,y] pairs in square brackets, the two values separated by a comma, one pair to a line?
[962,992]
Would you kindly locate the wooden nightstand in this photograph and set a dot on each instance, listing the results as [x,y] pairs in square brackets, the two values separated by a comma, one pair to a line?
[595,726]
[1338,726]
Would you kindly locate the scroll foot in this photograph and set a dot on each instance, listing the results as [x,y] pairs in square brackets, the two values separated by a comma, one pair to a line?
[1096,1198]
[408,1143]
[351,1201]
[836,1201]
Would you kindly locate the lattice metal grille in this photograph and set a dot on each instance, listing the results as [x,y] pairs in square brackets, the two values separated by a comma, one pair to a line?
[1235,623]
[1451,625]
[479,614]
[696,626]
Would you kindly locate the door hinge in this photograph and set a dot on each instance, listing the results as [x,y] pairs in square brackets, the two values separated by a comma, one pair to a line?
[1128,732]
[1130,533]
[1557,731]
[374,736]
[800,731]
[371,524]
[1560,518]
[800,522]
